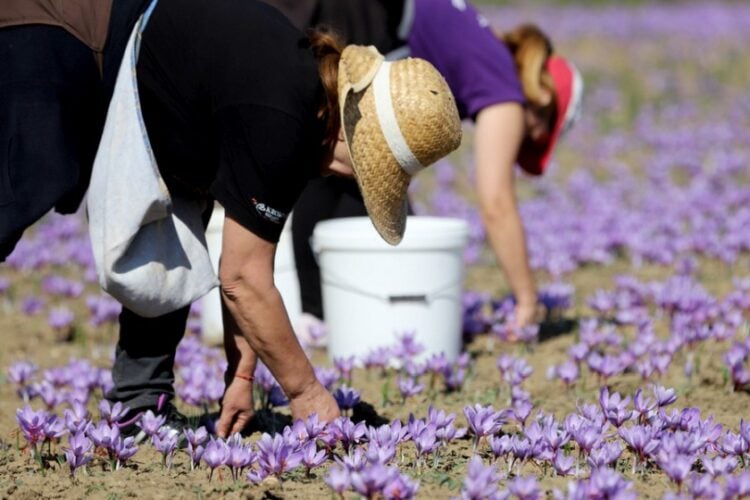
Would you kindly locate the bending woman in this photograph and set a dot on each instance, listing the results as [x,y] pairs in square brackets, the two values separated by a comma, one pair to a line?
[517,91]
[240,107]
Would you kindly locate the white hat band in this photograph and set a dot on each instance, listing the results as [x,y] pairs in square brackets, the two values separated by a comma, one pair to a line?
[573,113]
[381,86]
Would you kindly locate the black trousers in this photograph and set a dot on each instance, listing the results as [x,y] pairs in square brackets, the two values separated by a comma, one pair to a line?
[51,116]
[143,370]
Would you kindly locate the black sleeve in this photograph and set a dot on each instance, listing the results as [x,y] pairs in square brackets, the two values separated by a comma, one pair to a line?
[363,22]
[299,12]
[265,161]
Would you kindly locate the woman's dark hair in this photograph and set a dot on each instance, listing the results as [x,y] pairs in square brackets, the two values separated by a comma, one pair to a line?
[326,47]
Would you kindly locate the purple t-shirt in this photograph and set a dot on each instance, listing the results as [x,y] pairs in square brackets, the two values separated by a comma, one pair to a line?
[458,41]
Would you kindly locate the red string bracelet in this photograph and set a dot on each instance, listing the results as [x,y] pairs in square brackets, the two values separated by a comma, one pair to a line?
[244,377]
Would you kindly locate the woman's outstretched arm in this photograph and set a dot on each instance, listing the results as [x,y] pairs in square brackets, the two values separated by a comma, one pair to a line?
[498,136]
[257,312]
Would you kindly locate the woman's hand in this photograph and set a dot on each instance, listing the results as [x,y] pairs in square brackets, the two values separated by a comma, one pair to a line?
[236,407]
[526,314]
[256,312]
[318,400]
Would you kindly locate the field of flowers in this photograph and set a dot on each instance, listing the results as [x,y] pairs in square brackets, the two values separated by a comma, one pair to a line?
[634,385]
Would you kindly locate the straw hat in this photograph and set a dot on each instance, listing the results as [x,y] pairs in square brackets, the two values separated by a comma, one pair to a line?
[398,118]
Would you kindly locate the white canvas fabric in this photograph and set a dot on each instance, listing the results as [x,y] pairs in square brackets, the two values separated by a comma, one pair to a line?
[149,247]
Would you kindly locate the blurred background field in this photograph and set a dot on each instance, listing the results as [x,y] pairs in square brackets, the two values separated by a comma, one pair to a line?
[651,185]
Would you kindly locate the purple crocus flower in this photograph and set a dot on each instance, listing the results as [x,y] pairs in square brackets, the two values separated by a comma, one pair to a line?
[555,437]
[704,486]
[614,407]
[377,358]
[676,467]
[77,418]
[578,352]
[370,481]
[51,395]
[643,406]
[123,450]
[521,411]
[32,425]
[297,432]
[353,460]
[664,396]
[407,347]
[604,455]
[195,451]
[733,444]
[346,431]
[439,418]
[640,439]
[738,486]
[390,435]
[313,426]
[409,387]
[483,421]
[425,441]
[277,456]
[20,374]
[312,457]
[346,397]
[587,437]
[745,430]
[196,437]
[112,413]
[448,433]
[54,428]
[525,488]
[519,371]
[567,372]
[215,455]
[103,435]
[345,367]
[240,455]
[500,446]
[454,378]
[606,483]
[195,440]
[77,454]
[338,479]
[380,453]
[151,423]
[719,466]
[563,464]
[326,376]
[437,363]
[521,447]
[31,306]
[60,318]
[400,487]
[480,482]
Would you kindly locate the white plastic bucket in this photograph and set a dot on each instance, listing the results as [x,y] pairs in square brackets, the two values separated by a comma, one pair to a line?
[374,292]
[285,277]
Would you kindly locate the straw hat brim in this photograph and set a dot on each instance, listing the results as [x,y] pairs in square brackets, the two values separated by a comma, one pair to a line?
[425,116]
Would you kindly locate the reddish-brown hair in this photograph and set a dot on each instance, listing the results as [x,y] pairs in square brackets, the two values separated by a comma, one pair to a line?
[531,48]
[326,47]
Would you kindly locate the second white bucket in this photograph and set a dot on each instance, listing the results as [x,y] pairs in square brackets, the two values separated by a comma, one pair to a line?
[284,275]
[374,292]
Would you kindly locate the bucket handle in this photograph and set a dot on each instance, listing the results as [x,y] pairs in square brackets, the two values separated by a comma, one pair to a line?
[424,298]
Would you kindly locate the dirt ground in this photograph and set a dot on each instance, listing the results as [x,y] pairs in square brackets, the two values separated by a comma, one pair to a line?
[33,340]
